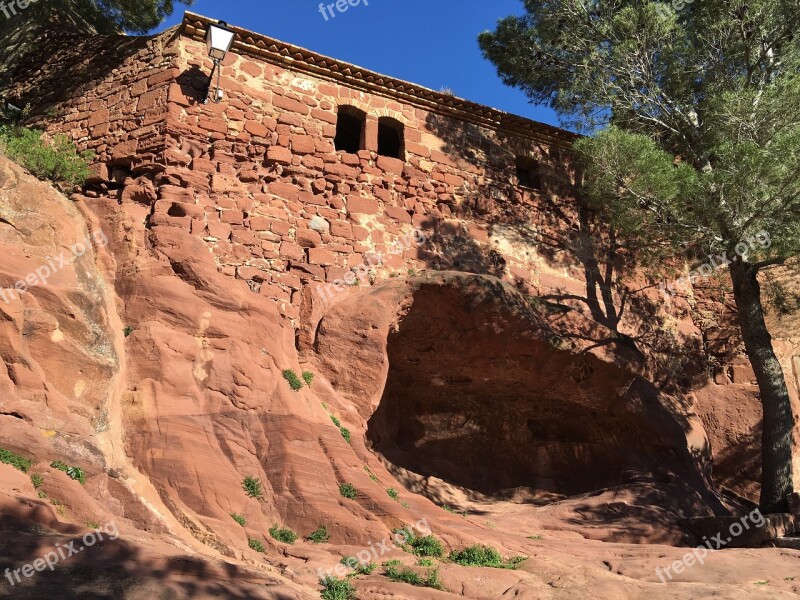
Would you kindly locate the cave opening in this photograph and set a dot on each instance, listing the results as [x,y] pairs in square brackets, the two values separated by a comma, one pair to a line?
[474,398]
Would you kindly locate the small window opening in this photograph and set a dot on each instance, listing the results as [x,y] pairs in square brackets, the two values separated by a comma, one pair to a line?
[350,124]
[529,173]
[390,137]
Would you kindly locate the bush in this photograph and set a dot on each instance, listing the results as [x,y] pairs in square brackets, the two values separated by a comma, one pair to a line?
[56,159]
[294,381]
[239,519]
[282,534]
[410,576]
[348,490]
[358,568]
[425,562]
[421,546]
[308,377]
[73,472]
[37,481]
[484,556]
[336,421]
[337,589]
[320,535]
[393,493]
[127,331]
[252,487]
[255,545]
[427,546]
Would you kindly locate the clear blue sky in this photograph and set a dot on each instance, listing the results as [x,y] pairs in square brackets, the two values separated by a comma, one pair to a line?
[429,42]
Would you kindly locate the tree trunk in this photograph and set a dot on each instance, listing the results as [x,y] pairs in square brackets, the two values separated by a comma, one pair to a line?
[778,422]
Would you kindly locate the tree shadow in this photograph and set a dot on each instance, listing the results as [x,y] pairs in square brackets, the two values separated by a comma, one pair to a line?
[116,568]
[566,235]
[84,60]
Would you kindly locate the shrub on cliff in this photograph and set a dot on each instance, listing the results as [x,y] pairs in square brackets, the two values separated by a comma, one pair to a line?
[15,460]
[252,487]
[283,534]
[55,159]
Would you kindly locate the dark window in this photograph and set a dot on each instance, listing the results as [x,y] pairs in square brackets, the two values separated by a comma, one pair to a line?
[529,173]
[390,137]
[350,129]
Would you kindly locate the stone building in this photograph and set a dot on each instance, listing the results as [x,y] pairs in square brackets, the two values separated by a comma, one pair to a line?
[309,168]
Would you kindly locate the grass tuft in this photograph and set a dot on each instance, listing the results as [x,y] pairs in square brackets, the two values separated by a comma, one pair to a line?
[283,534]
[320,535]
[294,381]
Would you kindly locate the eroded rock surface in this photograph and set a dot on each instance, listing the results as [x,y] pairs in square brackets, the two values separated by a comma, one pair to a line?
[161,378]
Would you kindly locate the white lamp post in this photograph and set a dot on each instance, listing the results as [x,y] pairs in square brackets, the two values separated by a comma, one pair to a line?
[219,40]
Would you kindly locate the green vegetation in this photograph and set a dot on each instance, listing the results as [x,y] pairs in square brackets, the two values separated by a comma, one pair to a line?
[348,490]
[358,568]
[283,534]
[41,495]
[73,472]
[37,480]
[308,377]
[421,546]
[109,16]
[393,493]
[371,474]
[410,576]
[320,535]
[252,487]
[256,545]
[337,589]
[484,556]
[15,460]
[92,525]
[239,519]
[127,331]
[425,562]
[344,431]
[395,562]
[535,537]
[294,381]
[54,159]
[694,152]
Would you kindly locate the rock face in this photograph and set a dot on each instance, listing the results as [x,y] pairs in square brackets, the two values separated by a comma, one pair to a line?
[183,397]
[462,365]
[469,346]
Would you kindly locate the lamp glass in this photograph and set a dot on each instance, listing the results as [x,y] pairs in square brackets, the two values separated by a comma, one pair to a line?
[219,40]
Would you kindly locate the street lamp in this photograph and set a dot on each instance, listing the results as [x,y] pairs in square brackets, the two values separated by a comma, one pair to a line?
[219,40]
